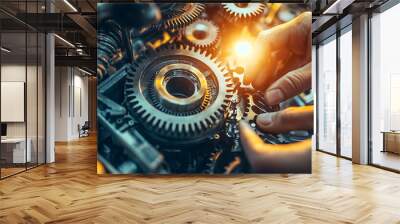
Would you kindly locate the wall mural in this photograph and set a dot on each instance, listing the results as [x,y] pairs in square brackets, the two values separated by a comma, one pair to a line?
[204,88]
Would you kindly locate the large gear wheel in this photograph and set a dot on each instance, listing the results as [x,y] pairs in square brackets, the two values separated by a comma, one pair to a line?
[178,15]
[178,94]
[202,33]
[238,12]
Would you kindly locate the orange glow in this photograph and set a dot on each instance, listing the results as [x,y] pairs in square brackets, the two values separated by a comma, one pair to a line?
[243,48]
[100,168]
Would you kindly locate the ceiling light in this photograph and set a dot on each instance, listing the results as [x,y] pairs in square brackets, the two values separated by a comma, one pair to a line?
[337,7]
[65,41]
[5,50]
[70,5]
[84,71]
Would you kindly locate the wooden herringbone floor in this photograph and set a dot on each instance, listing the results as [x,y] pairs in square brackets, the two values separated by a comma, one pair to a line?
[69,191]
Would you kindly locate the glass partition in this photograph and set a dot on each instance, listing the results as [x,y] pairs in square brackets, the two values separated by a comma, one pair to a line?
[32,96]
[41,97]
[13,105]
[327,95]
[385,89]
[22,77]
[346,93]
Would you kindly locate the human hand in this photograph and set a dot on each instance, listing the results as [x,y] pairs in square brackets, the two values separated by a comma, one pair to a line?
[281,63]
[269,158]
[287,158]
[283,70]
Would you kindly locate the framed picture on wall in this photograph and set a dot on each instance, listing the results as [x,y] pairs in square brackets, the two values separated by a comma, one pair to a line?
[200,88]
[12,101]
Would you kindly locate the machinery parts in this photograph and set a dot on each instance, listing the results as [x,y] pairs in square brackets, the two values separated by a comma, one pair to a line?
[202,33]
[128,143]
[243,11]
[178,94]
[108,42]
[116,22]
[178,15]
[130,15]
[169,109]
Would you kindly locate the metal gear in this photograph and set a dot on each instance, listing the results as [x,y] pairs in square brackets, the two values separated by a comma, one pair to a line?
[250,101]
[178,15]
[243,11]
[178,94]
[252,104]
[202,33]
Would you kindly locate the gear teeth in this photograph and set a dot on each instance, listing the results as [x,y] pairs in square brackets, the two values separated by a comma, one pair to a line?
[227,74]
[129,97]
[210,40]
[150,119]
[209,122]
[179,128]
[229,80]
[191,129]
[181,16]
[239,14]
[197,127]
[155,122]
[147,108]
[217,113]
[204,124]
[185,128]
[167,127]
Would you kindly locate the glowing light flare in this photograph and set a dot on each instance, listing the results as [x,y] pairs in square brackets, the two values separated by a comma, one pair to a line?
[243,48]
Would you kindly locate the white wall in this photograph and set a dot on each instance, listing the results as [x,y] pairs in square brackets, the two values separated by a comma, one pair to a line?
[16,72]
[33,127]
[10,73]
[62,81]
[80,110]
[71,102]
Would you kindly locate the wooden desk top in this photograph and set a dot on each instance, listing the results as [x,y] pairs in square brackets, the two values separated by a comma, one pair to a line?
[391,132]
[13,140]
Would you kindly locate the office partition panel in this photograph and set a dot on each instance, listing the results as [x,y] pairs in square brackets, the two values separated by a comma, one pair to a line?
[22,76]
[15,147]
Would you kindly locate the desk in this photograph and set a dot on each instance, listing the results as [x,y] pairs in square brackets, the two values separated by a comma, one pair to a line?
[391,141]
[13,150]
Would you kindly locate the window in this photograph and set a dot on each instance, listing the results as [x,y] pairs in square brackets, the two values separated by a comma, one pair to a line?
[346,95]
[385,89]
[327,96]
